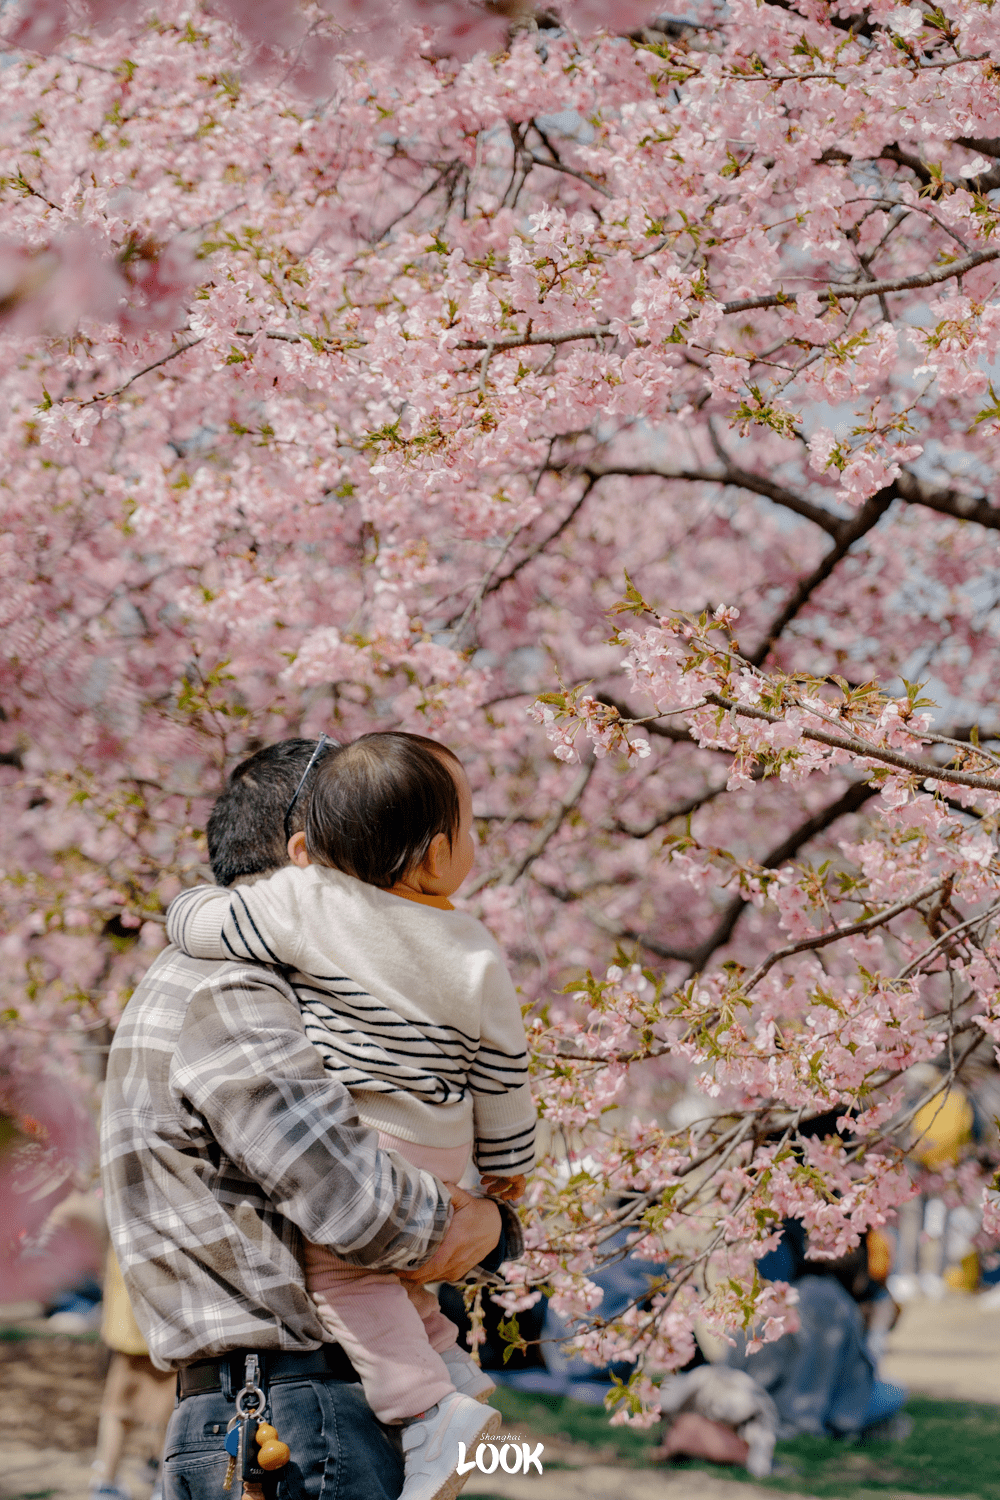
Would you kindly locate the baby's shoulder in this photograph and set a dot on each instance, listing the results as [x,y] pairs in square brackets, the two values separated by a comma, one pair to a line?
[472,937]
[300,878]
[290,891]
[464,926]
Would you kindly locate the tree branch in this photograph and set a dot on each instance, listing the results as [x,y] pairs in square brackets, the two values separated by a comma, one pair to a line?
[907,487]
[515,868]
[481,591]
[983,183]
[947,502]
[856,291]
[908,159]
[858,746]
[443,175]
[522,340]
[740,479]
[679,810]
[541,546]
[857,794]
[697,956]
[109,395]
[946,938]
[859,24]
[677,732]
[558,166]
[850,929]
[989,146]
[866,519]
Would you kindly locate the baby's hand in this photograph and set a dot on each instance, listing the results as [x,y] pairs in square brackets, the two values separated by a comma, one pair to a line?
[507,1188]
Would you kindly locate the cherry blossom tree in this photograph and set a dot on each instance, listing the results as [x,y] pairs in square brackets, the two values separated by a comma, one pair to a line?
[608,394]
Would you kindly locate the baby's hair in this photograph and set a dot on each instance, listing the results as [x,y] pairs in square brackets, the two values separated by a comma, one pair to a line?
[377,804]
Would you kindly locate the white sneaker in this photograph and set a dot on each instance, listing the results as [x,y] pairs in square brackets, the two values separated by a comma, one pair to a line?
[466,1376]
[430,1446]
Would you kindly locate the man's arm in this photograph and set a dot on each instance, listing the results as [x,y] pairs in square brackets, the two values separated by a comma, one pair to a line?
[474,1232]
[243,1064]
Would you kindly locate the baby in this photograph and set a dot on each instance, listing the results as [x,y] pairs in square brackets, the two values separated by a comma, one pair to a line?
[410,1005]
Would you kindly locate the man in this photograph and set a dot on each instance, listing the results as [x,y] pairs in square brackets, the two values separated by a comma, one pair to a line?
[223,1143]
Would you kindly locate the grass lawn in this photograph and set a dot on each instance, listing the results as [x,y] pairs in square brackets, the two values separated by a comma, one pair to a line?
[558,1416]
[953,1451]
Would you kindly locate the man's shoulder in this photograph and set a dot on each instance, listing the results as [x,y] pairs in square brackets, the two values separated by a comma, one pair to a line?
[174,978]
[173,966]
[171,977]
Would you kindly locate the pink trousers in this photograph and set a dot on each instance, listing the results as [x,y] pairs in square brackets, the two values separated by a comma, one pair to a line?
[393,1330]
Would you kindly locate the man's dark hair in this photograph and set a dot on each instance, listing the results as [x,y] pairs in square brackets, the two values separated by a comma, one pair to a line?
[246,834]
[377,803]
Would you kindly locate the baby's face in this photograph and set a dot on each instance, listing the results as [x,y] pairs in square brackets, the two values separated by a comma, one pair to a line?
[456,863]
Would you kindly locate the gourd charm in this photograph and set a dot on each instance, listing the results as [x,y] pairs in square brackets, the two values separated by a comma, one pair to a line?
[274,1454]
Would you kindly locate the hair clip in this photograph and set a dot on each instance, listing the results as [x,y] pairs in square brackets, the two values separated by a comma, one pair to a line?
[321,745]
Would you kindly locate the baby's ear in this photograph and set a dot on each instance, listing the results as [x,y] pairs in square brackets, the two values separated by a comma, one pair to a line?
[435,853]
[297,852]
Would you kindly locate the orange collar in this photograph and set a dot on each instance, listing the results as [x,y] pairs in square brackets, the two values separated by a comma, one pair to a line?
[441,902]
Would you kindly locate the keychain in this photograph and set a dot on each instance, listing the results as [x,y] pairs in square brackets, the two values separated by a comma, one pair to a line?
[253,1445]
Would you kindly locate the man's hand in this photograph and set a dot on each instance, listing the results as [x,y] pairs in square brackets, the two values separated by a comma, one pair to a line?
[510,1189]
[473,1232]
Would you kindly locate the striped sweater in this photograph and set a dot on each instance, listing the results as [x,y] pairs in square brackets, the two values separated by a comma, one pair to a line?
[408,1002]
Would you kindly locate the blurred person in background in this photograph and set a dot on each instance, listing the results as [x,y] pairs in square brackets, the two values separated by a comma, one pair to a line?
[138,1398]
[823,1378]
[934,1244]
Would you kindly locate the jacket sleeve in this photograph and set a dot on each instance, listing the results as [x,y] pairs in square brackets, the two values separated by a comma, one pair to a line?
[244,1065]
[502,1107]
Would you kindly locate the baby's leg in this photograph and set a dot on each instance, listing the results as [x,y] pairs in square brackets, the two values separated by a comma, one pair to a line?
[448,1163]
[463,1371]
[440,1331]
[371,1315]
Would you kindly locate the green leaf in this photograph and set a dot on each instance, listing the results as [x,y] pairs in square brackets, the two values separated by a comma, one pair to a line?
[989,413]
[510,1332]
[633,602]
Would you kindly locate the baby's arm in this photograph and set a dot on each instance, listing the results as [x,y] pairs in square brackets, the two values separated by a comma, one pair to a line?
[502,1107]
[242,922]
[195,919]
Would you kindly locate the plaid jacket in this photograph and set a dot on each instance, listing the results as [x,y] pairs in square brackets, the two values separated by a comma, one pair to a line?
[223,1142]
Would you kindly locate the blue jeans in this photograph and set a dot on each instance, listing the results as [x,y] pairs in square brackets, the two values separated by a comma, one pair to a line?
[339,1450]
[884,1402]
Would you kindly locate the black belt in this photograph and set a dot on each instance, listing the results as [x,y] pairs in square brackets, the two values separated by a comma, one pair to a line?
[226,1373]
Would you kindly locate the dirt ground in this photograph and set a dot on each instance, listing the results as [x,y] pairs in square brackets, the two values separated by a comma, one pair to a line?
[50,1396]
[948,1349]
[52,1391]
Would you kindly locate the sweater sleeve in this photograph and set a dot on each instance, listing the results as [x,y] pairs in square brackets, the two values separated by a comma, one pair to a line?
[254,922]
[195,918]
[502,1107]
